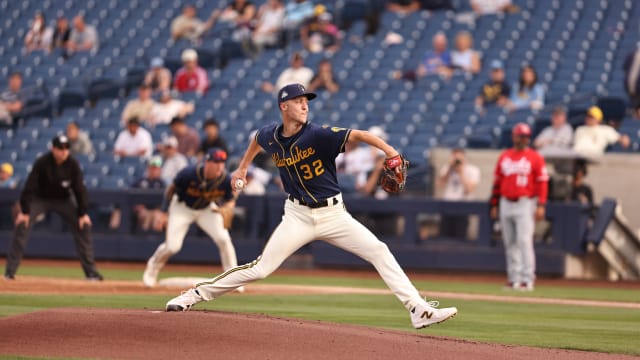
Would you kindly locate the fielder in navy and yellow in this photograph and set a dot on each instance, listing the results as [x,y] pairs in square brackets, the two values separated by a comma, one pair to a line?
[199,193]
[305,155]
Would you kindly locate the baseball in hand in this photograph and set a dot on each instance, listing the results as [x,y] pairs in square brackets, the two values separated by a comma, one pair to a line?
[239,184]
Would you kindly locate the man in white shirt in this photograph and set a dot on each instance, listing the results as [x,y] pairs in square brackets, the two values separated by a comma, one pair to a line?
[459,180]
[592,138]
[133,141]
[296,74]
[488,7]
[83,37]
[558,136]
[174,161]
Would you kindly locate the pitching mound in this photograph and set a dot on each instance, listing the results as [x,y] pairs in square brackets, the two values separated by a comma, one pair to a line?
[145,334]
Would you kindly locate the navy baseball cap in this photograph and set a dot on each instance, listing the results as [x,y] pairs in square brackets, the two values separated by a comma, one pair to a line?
[60,141]
[216,155]
[293,91]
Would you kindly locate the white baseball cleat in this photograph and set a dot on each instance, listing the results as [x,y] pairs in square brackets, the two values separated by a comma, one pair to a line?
[185,301]
[426,314]
[150,276]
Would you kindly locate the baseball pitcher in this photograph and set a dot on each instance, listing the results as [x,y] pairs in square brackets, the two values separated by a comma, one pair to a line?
[305,156]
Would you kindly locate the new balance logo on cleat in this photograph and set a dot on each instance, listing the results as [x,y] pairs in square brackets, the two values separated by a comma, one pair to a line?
[424,315]
[427,315]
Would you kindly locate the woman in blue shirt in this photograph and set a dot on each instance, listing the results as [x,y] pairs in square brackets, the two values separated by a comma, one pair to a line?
[527,93]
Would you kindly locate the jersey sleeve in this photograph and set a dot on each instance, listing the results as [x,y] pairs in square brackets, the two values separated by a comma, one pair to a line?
[264,135]
[334,138]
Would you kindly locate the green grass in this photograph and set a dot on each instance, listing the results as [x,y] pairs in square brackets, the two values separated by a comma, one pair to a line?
[541,325]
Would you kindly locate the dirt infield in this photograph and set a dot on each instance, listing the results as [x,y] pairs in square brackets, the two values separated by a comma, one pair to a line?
[143,334]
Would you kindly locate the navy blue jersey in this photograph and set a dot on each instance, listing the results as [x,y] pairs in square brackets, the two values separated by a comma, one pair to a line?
[197,192]
[307,160]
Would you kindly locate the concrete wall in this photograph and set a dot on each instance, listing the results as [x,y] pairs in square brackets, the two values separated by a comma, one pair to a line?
[615,175]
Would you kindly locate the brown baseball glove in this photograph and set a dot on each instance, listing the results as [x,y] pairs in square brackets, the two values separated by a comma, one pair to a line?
[394,174]
[227,215]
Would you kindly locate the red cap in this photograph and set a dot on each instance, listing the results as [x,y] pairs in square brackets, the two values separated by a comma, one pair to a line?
[521,129]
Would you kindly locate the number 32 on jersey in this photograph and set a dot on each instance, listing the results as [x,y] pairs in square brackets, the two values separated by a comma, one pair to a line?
[310,171]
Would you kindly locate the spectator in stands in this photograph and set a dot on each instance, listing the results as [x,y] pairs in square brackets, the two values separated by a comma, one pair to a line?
[324,78]
[527,93]
[436,61]
[320,34]
[81,145]
[158,78]
[61,35]
[188,26]
[11,100]
[174,161]
[191,77]
[632,80]
[147,216]
[239,15]
[140,107]
[268,25]
[403,7]
[558,136]
[459,180]
[39,36]
[496,91]
[188,138]
[489,7]
[134,141]
[592,138]
[464,57]
[84,37]
[212,138]
[296,73]
[167,108]
[581,191]
[7,181]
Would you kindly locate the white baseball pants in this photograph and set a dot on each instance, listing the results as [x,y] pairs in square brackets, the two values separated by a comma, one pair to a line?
[518,224]
[180,218]
[301,225]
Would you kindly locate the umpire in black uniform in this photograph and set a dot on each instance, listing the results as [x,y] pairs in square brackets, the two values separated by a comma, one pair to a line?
[54,184]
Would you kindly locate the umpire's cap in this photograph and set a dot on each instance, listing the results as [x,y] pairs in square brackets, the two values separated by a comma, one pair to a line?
[216,154]
[521,129]
[293,91]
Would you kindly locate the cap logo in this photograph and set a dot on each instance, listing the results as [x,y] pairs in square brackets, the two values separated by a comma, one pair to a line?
[284,94]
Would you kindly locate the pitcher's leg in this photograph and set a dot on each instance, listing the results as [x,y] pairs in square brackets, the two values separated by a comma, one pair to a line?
[212,224]
[357,239]
[20,239]
[290,235]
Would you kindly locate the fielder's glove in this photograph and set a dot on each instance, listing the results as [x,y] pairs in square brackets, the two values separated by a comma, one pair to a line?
[394,174]
[227,215]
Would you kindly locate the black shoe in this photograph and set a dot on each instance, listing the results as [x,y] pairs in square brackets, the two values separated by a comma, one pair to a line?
[9,277]
[95,277]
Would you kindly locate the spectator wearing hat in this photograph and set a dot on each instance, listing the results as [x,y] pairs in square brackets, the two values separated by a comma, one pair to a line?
[12,100]
[320,34]
[140,107]
[191,77]
[79,139]
[592,138]
[174,161]
[7,181]
[188,138]
[496,91]
[211,137]
[147,215]
[158,78]
[557,136]
[297,73]
[133,141]
[168,108]
[55,184]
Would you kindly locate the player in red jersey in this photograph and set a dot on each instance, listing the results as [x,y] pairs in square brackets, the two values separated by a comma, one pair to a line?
[519,198]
